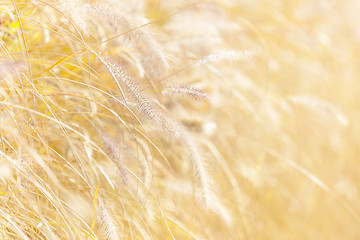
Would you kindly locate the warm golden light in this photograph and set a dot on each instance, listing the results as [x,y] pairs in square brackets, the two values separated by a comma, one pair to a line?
[164,119]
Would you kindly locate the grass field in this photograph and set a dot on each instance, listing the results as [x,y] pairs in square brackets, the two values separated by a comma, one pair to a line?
[164,119]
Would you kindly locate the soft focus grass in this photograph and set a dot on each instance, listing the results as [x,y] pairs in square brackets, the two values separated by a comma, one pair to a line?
[179,119]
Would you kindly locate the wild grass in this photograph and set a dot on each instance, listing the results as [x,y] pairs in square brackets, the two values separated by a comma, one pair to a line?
[158,119]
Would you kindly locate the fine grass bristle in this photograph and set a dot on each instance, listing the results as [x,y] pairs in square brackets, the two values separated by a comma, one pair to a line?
[157,119]
[184,91]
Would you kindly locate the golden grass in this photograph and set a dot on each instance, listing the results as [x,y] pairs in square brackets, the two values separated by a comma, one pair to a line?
[157,119]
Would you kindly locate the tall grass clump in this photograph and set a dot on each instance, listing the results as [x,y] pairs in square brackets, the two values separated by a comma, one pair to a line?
[158,119]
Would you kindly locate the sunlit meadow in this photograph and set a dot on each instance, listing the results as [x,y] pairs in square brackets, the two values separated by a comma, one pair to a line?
[170,119]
